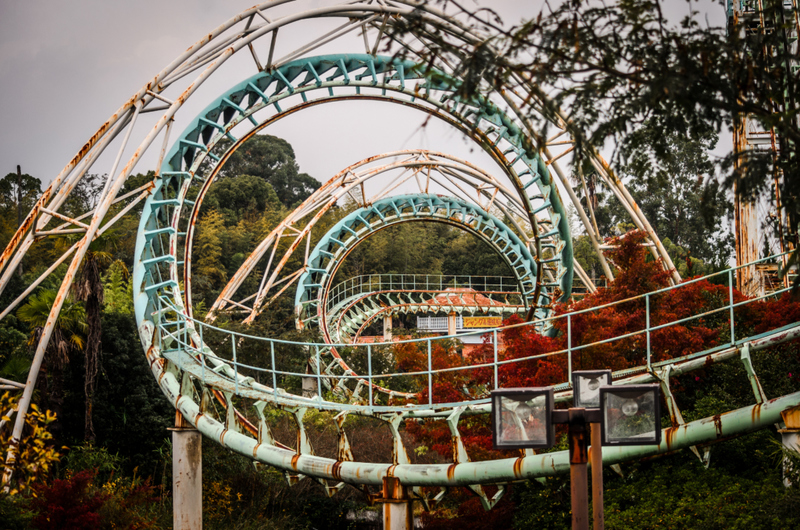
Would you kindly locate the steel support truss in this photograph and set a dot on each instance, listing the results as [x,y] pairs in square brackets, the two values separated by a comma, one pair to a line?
[499,123]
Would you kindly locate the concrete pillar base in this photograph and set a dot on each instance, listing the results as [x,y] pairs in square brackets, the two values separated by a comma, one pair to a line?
[790,439]
[790,436]
[397,507]
[187,479]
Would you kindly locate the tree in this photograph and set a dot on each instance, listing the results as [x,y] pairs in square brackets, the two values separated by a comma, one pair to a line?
[271,159]
[18,193]
[117,289]
[208,271]
[240,196]
[88,288]
[614,67]
[678,193]
[68,336]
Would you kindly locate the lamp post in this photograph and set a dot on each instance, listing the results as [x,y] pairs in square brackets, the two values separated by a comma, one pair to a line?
[525,418]
[586,393]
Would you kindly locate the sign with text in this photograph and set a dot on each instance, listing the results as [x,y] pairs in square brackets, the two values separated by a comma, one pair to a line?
[482,322]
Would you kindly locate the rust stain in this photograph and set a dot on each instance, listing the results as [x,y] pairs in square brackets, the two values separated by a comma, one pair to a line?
[518,467]
[718,424]
[451,471]
[295,458]
[755,413]
[670,437]
[243,421]
[791,417]
[336,471]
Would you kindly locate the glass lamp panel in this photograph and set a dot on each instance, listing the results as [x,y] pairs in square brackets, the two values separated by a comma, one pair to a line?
[521,418]
[522,421]
[631,417]
[586,387]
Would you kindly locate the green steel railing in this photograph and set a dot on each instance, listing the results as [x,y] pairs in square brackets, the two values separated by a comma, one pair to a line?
[370,283]
[180,336]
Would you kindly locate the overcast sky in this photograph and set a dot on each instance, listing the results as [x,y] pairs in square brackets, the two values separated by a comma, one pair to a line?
[65,66]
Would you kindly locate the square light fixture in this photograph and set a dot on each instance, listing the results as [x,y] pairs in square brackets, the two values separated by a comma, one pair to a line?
[522,418]
[586,387]
[630,415]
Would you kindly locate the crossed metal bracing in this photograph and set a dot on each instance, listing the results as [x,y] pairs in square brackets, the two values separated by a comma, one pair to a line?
[525,191]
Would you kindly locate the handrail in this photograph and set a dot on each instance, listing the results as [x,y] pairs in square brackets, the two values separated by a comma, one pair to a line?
[354,286]
[183,323]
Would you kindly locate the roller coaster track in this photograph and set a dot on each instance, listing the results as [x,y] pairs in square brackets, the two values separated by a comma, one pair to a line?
[516,208]
[187,370]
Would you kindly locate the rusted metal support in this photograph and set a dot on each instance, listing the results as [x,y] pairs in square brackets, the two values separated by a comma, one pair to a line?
[578,477]
[397,506]
[452,323]
[746,221]
[187,476]
[596,456]
[387,328]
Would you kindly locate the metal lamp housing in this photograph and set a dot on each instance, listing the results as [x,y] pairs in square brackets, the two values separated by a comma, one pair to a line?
[586,386]
[522,418]
[630,415]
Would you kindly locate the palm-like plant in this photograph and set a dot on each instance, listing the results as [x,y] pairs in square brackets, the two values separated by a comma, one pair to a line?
[68,335]
[70,327]
[88,288]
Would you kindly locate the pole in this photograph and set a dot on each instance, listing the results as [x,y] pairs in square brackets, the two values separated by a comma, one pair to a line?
[397,512]
[596,454]
[19,208]
[578,458]
[790,438]
[187,476]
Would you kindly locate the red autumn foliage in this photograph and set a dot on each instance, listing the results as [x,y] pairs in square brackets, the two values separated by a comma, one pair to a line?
[637,274]
[69,504]
[75,503]
[470,514]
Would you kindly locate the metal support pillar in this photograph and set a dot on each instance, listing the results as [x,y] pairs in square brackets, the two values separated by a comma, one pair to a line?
[578,458]
[452,323]
[187,476]
[397,507]
[387,328]
[596,454]
[790,437]
[309,383]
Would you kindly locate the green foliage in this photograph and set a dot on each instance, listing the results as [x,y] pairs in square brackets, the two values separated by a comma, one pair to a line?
[91,457]
[423,248]
[241,196]
[13,350]
[118,290]
[207,273]
[18,193]
[70,328]
[131,415]
[678,492]
[257,497]
[271,159]
[36,453]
